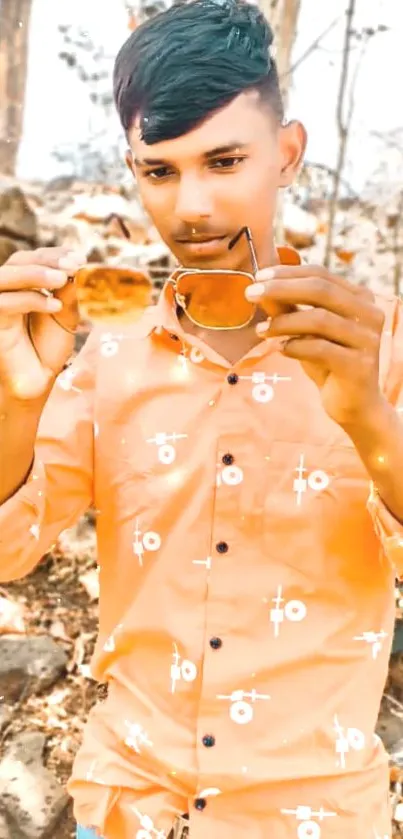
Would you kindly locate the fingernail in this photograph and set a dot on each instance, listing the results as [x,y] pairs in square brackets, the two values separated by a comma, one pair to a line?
[254,291]
[263,327]
[55,278]
[265,274]
[53,304]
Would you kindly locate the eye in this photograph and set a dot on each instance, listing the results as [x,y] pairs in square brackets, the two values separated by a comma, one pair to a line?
[227,162]
[158,174]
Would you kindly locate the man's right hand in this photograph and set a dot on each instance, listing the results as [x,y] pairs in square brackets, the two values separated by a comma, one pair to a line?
[34,346]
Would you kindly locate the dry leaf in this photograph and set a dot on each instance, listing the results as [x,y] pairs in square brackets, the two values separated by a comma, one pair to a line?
[90,581]
[11,617]
[345,255]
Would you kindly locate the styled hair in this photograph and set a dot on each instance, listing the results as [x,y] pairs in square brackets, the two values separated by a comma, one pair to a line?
[192,59]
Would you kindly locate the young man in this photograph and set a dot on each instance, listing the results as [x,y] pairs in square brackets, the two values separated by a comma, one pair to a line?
[249,513]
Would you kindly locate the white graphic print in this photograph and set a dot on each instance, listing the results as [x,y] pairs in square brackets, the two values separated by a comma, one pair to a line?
[261,391]
[350,738]
[181,669]
[34,530]
[147,829]
[292,610]
[204,793]
[145,542]
[136,737]
[110,344]
[66,378]
[196,355]
[380,835]
[240,711]
[207,562]
[110,644]
[230,475]
[308,828]
[374,639]
[90,776]
[317,480]
[166,452]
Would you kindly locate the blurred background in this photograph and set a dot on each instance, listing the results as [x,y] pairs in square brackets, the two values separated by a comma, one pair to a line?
[63,181]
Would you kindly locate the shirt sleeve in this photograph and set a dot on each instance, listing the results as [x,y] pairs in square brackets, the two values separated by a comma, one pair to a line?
[59,486]
[389,529]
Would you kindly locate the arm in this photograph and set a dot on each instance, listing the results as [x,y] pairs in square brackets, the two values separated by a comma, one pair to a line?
[379,442]
[59,487]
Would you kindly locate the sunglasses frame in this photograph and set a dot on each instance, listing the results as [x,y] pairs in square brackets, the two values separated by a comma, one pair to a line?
[182,271]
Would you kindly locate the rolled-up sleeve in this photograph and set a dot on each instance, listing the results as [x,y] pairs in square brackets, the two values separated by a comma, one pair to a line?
[389,529]
[59,487]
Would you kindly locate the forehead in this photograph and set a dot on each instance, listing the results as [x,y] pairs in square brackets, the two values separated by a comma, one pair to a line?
[243,121]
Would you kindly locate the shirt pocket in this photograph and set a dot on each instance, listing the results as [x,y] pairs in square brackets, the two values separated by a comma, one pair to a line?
[315,518]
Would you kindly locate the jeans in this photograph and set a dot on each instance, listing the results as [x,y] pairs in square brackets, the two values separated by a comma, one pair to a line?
[180,831]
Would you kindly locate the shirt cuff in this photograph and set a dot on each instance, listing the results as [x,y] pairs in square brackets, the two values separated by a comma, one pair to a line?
[388,529]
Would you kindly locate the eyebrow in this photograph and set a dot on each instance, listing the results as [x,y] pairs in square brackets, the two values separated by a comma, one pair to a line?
[208,155]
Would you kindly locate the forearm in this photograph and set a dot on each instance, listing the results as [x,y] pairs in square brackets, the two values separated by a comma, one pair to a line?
[18,429]
[378,438]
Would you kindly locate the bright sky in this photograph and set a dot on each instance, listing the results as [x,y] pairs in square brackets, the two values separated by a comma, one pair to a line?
[57,109]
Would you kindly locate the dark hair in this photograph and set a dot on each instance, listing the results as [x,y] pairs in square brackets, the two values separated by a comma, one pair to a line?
[191,60]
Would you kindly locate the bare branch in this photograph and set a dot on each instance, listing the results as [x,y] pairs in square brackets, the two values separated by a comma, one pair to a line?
[342,127]
[314,46]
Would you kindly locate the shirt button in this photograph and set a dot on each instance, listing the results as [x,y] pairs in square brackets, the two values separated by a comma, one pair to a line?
[228,459]
[208,741]
[222,547]
[215,643]
[232,379]
[200,803]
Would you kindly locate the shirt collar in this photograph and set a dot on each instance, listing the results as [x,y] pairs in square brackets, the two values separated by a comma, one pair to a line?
[163,318]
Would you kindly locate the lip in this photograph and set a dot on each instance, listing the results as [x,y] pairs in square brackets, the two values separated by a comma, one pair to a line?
[204,246]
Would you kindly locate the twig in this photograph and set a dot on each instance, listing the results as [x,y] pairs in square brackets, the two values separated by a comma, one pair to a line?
[311,48]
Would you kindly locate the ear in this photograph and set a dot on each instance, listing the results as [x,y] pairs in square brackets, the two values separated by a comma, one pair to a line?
[293,139]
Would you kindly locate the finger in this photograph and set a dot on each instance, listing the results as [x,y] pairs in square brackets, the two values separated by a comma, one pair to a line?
[313,291]
[20,277]
[23,302]
[323,324]
[285,272]
[332,356]
[49,257]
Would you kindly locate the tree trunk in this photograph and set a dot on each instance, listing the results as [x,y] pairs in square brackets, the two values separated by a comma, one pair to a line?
[283,17]
[14,33]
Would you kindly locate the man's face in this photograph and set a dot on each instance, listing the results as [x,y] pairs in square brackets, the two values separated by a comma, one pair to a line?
[201,188]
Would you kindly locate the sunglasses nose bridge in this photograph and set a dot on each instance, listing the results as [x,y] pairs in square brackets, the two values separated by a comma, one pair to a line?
[215,299]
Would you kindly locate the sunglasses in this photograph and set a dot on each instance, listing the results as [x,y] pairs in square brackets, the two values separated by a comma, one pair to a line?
[215,299]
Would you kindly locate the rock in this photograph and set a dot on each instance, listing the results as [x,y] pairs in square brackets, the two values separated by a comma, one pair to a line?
[390,729]
[99,208]
[33,663]
[9,246]
[17,219]
[32,800]
[5,716]
[300,227]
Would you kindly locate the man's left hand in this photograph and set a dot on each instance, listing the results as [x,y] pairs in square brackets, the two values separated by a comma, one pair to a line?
[336,339]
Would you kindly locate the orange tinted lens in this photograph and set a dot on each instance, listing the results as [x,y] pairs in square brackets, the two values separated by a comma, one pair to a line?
[216,299]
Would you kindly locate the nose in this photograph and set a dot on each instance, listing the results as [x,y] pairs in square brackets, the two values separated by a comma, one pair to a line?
[193,201]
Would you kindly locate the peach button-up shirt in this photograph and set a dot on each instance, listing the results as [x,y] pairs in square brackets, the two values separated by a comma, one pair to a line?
[247,578]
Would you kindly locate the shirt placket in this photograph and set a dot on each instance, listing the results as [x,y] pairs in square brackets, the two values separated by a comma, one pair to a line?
[226,554]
